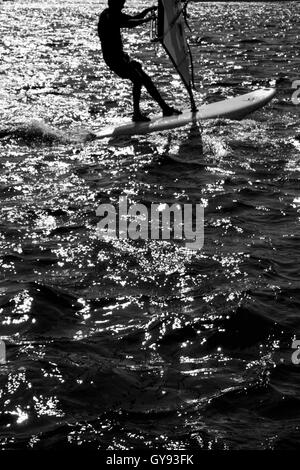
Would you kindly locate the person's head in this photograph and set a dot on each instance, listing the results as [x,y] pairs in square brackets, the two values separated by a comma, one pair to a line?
[116,4]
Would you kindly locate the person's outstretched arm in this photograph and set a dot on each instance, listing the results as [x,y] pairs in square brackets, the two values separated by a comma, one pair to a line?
[137,20]
[145,12]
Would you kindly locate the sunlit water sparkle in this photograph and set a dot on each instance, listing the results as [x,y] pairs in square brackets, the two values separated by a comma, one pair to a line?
[122,344]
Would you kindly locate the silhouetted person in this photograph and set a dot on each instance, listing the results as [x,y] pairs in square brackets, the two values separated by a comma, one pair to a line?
[109,29]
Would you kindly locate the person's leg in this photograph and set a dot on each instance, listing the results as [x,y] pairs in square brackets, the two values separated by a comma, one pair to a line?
[138,116]
[137,88]
[124,69]
[152,90]
[140,78]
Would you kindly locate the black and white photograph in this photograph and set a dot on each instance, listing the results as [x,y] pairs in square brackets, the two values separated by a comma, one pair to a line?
[149,228]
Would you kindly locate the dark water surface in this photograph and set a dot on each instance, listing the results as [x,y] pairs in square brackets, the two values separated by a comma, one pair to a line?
[123,344]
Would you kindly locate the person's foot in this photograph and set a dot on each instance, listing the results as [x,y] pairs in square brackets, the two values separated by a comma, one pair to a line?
[169,111]
[140,117]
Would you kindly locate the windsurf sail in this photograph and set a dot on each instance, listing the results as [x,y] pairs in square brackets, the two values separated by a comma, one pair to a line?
[171,34]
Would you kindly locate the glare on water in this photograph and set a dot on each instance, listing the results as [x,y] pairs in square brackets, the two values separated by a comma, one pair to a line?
[120,343]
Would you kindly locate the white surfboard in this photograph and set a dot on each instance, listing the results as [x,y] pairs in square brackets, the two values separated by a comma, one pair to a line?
[232,108]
